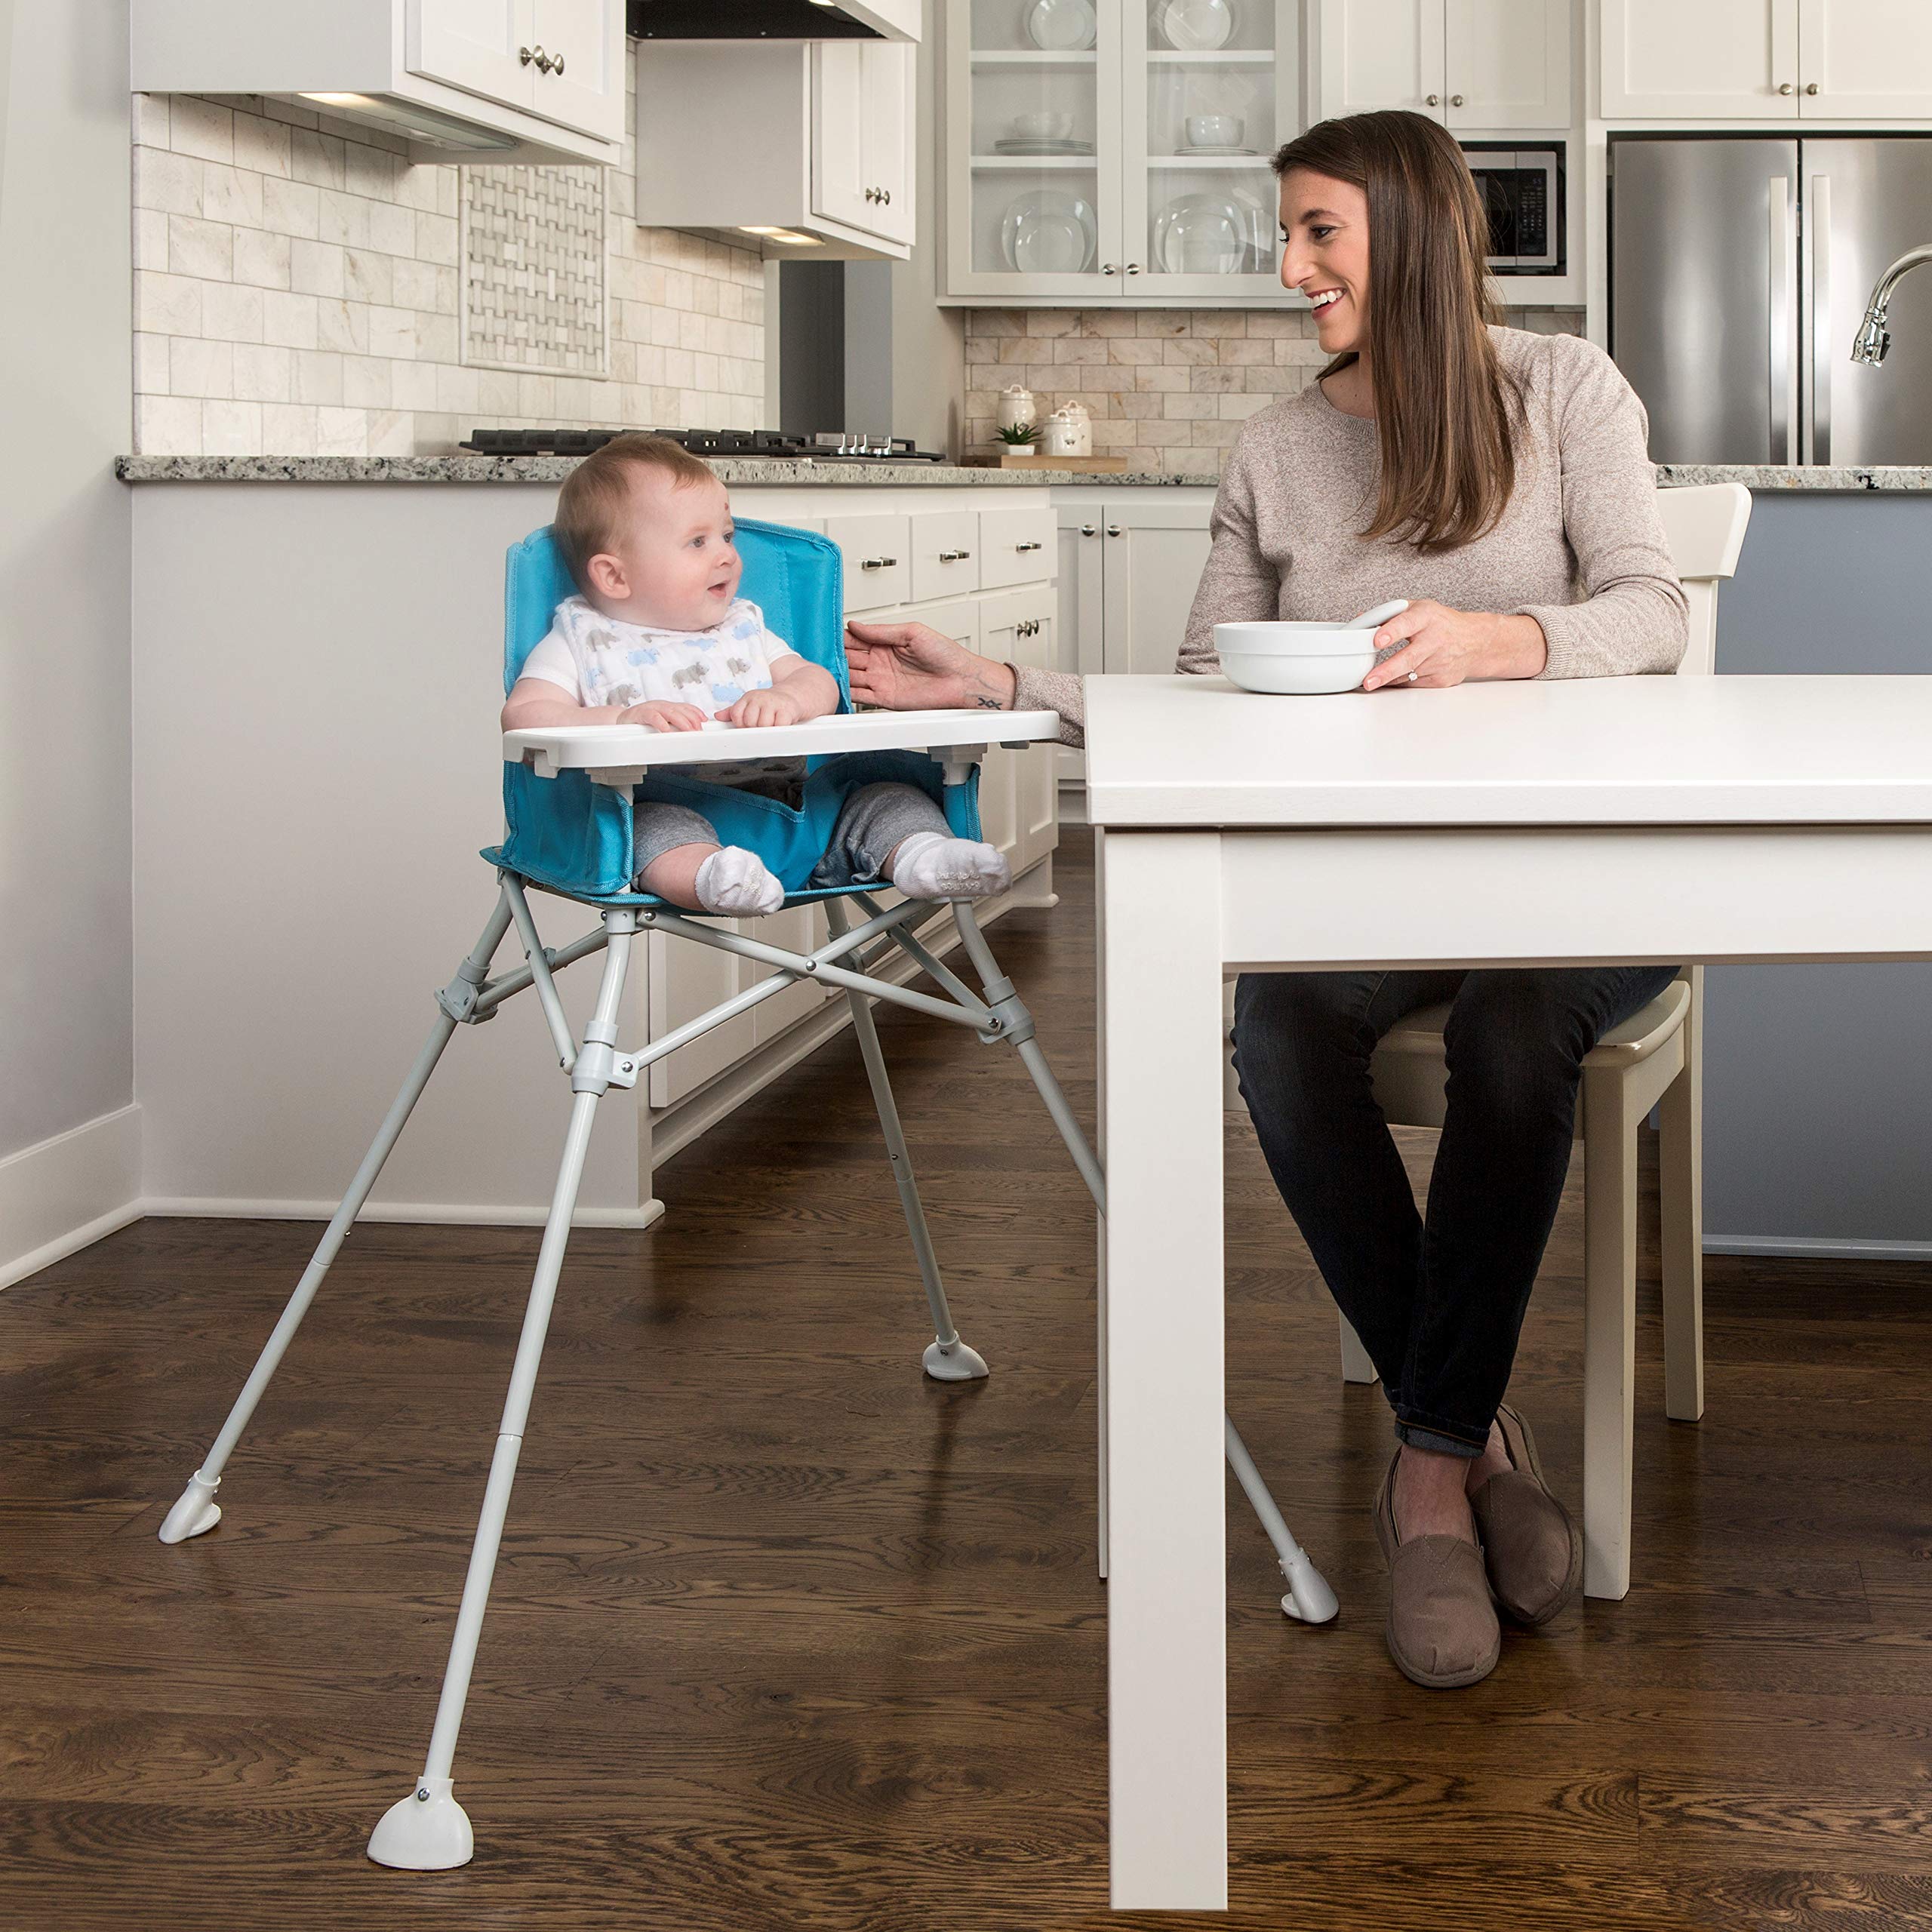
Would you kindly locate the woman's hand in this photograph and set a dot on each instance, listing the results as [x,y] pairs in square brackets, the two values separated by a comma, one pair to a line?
[765,707]
[1442,645]
[912,667]
[661,715]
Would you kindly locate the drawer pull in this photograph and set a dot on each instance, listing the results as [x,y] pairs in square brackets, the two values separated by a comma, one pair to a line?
[1028,546]
[1113,530]
[954,556]
[877,563]
[1087,530]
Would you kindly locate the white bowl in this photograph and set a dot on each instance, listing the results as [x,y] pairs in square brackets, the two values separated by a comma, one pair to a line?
[1295,658]
[1046,127]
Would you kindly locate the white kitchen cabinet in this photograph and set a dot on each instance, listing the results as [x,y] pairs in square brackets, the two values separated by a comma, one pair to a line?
[1719,59]
[1861,60]
[488,80]
[1017,629]
[1474,64]
[1015,546]
[1130,562]
[946,554]
[861,156]
[811,140]
[877,555]
[1130,172]
[1865,59]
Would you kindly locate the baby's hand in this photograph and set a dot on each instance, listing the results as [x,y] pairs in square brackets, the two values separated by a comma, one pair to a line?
[661,715]
[765,707]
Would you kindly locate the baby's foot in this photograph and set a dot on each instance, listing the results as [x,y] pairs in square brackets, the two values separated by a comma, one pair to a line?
[930,865]
[732,880]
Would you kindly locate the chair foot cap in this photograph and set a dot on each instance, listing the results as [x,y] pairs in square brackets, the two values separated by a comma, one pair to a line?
[195,1511]
[428,1830]
[953,1362]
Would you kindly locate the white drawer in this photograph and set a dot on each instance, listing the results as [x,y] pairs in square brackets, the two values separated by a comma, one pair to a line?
[1016,546]
[878,559]
[946,553]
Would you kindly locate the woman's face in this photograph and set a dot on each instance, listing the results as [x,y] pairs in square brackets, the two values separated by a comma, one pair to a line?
[1324,233]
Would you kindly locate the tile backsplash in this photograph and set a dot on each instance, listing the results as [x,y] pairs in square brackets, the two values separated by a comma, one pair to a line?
[1167,389]
[300,289]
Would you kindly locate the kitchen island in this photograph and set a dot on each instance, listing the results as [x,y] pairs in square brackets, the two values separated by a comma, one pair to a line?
[316,646]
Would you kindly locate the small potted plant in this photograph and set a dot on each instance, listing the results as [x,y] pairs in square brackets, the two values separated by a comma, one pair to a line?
[1018,439]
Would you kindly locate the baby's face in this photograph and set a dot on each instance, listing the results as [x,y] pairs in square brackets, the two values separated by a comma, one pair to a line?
[674,563]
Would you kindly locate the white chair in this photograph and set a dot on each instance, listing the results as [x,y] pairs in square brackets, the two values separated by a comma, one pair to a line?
[1653,1060]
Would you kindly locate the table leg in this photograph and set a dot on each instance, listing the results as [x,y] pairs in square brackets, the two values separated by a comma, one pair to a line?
[1167,1592]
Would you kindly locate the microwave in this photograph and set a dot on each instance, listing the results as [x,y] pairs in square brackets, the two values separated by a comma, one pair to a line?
[1522,191]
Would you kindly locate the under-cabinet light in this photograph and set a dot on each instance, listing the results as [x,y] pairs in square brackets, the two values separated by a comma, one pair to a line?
[783,235]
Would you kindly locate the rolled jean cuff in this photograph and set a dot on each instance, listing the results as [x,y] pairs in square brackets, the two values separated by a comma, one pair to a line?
[1418,1435]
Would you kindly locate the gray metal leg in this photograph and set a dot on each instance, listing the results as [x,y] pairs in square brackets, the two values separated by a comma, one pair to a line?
[947,1358]
[1310,1599]
[196,1510]
[429,1831]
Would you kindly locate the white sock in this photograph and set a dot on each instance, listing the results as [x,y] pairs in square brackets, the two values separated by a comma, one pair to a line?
[928,865]
[732,880]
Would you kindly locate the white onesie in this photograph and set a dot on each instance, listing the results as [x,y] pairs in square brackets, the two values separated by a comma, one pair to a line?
[604,660]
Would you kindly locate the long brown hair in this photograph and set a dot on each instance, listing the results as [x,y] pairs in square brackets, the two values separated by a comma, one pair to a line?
[1445,408]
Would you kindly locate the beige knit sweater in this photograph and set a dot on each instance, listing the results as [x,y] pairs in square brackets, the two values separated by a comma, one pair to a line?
[1580,548]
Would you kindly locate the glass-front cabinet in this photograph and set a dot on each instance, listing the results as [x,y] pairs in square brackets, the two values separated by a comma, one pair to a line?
[1115,151]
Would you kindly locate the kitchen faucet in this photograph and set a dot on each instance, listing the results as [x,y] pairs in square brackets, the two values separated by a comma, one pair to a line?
[1872,341]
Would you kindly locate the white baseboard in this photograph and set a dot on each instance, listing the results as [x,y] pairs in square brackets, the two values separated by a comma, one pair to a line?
[1827,1248]
[60,1194]
[433,1213]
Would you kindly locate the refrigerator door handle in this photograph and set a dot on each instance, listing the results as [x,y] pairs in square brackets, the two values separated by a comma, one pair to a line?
[1818,236]
[1782,373]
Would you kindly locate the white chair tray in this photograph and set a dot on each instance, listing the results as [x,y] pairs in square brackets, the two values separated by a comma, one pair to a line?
[624,748]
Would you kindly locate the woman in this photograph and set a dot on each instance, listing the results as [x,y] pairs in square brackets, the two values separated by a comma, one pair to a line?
[1499,480]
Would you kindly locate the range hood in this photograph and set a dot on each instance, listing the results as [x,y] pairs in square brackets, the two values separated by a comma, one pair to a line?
[773,20]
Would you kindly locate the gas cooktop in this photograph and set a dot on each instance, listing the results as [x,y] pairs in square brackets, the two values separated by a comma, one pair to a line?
[830,446]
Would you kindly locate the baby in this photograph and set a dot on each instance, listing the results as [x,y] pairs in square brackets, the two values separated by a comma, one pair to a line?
[660,637]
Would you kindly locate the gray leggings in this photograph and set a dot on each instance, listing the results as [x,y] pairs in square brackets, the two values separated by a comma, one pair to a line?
[872,820]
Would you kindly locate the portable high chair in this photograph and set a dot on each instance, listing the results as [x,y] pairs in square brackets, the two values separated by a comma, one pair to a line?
[568,794]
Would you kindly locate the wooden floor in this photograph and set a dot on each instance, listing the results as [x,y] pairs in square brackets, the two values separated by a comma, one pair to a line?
[785,1636]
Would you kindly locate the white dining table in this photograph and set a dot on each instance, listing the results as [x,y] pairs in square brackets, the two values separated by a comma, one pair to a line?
[1626,820]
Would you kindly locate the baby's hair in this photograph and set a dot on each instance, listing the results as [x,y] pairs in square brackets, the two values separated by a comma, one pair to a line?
[595,494]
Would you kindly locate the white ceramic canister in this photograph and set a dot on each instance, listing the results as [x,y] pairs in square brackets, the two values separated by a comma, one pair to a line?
[1082,425]
[1059,436]
[1016,406]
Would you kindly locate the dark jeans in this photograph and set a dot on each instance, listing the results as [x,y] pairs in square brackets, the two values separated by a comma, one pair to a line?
[1439,1303]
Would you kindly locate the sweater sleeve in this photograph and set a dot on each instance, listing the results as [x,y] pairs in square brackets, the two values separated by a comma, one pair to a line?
[1632,616]
[1237,583]
[1036,689]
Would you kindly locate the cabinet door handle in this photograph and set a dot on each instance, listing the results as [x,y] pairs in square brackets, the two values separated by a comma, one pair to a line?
[885,195]
[1785,88]
[557,65]
[1114,530]
[1811,87]
[1108,268]
[1455,100]
[954,556]
[1087,530]
[1432,99]
[525,55]
[871,194]
[1027,546]
[877,563]
[1133,268]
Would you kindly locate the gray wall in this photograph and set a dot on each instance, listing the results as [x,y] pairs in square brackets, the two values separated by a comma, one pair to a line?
[1818,1106]
[66,996]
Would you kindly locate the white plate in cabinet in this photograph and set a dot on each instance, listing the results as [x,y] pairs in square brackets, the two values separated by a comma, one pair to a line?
[877,554]
[946,553]
[1016,546]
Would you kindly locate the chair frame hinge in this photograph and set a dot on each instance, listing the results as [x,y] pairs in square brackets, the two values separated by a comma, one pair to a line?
[600,1067]
[458,999]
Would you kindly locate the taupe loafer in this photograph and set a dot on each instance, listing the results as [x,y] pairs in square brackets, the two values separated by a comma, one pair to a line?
[1531,1548]
[1442,1630]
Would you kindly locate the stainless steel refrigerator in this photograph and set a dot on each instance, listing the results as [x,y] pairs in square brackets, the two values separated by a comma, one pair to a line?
[1739,271]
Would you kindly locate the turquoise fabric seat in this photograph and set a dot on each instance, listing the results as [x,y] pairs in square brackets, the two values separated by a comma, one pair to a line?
[573,837]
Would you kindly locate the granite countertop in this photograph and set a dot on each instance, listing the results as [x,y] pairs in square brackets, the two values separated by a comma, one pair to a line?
[881,475]
[1799,476]
[554,469]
